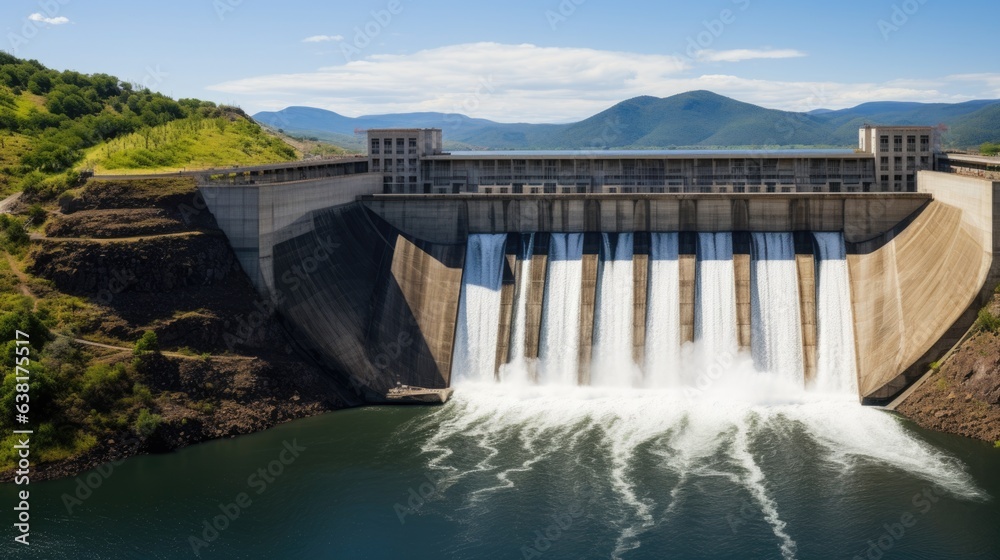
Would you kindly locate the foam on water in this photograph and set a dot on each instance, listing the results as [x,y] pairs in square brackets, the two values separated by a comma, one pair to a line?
[688,432]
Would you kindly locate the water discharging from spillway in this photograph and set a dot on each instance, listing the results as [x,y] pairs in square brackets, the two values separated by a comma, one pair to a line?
[774,307]
[613,310]
[663,310]
[715,295]
[835,357]
[476,339]
[518,369]
[560,332]
[657,427]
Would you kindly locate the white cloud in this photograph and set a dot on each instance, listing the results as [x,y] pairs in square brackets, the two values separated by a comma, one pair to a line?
[739,55]
[40,18]
[323,38]
[528,83]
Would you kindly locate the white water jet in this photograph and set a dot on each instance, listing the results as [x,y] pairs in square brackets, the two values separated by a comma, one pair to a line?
[836,365]
[715,296]
[518,368]
[478,326]
[613,313]
[663,311]
[560,331]
[775,316]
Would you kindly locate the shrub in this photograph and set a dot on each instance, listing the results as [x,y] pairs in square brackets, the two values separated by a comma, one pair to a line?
[987,321]
[37,214]
[147,344]
[142,394]
[103,385]
[13,234]
[147,423]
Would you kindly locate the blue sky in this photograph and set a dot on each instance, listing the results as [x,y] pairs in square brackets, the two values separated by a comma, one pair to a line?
[519,60]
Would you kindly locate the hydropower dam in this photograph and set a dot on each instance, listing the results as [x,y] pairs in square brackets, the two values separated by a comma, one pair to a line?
[835,291]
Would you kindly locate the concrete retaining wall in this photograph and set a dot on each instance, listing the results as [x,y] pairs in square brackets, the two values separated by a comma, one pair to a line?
[916,290]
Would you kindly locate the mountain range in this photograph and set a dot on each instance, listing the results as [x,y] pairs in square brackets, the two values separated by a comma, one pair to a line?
[697,119]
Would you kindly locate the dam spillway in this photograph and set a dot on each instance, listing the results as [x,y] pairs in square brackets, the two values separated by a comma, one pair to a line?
[369,284]
[603,351]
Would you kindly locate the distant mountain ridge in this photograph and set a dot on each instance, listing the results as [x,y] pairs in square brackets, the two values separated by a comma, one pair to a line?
[700,119]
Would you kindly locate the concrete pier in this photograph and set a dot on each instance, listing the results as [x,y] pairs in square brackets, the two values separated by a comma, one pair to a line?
[640,291]
[805,262]
[588,299]
[539,272]
[741,271]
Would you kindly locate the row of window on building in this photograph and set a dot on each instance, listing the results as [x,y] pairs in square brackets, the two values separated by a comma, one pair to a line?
[385,146]
[911,143]
[401,165]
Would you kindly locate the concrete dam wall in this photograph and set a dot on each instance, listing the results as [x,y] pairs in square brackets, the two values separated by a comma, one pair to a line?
[371,284]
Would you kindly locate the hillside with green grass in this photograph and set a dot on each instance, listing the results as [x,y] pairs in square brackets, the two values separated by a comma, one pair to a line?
[193,142]
[55,124]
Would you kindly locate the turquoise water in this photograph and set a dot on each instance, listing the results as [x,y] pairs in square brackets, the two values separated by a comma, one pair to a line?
[629,475]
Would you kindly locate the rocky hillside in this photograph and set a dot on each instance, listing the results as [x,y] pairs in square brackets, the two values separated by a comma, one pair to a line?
[963,395]
[118,260]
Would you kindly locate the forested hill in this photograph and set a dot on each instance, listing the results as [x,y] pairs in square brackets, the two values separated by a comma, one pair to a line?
[54,123]
[696,119]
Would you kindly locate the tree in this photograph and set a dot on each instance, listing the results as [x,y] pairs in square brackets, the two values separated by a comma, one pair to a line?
[147,344]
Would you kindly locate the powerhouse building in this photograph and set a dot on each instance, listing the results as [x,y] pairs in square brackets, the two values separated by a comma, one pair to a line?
[887,159]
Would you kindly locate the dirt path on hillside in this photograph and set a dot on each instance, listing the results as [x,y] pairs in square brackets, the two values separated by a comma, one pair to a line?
[22,280]
[43,237]
[9,202]
[170,354]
